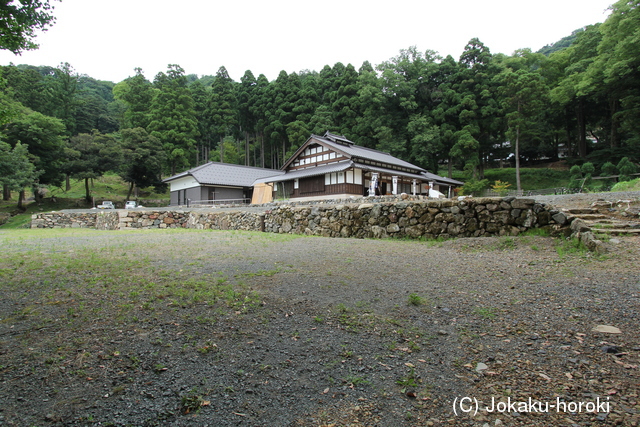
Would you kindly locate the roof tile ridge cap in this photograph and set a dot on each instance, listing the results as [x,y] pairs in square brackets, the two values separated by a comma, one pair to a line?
[197,168]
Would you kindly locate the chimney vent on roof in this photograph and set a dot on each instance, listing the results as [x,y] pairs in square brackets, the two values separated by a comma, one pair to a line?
[338,139]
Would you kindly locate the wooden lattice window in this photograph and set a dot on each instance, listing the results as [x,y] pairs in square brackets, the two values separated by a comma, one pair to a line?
[312,185]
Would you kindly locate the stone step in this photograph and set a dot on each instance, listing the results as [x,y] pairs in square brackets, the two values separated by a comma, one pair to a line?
[590,216]
[617,231]
[585,211]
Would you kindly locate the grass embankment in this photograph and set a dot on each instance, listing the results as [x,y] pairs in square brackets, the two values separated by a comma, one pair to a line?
[530,178]
[627,186]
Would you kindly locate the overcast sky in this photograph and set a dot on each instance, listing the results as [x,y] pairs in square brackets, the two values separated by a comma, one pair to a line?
[107,39]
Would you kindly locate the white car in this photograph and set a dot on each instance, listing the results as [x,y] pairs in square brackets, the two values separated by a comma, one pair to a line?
[106,205]
[131,205]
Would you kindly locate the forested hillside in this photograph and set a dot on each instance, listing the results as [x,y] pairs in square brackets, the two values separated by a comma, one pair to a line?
[579,99]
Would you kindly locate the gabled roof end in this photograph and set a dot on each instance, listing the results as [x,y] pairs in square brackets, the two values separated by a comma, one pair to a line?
[338,139]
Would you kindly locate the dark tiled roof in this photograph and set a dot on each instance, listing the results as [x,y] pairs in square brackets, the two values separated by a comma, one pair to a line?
[214,173]
[308,172]
[355,152]
[390,172]
[437,178]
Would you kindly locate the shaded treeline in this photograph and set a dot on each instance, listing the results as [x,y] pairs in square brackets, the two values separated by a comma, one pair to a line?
[579,98]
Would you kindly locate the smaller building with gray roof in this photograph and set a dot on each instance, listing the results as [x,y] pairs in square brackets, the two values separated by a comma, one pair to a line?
[216,182]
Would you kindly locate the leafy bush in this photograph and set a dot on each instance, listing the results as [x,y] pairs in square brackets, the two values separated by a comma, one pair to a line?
[576,177]
[608,169]
[587,169]
[501,187]
[474,186]
[626,168]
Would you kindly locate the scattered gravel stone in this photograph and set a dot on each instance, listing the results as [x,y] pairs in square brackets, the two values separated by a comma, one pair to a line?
[328,338]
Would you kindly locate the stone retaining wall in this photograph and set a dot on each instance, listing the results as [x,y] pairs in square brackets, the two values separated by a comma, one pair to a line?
[132,219]
[428,219]
[411,219]
[64,220]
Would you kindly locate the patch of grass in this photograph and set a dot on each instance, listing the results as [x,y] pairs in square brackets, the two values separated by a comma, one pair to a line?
[355,380]
[410,379]
[506,243]
[485,312]
[436,241]
[415,299]
[192,401]
[571,246]
[633,185]
[536,232]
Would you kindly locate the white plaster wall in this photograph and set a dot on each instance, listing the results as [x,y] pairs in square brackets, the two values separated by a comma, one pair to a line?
[184,183]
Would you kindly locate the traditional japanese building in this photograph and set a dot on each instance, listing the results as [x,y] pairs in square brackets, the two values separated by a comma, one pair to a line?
[324,167]
[331,166]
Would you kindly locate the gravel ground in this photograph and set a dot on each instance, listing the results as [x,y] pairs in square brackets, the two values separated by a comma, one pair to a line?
[584,200]
[346,333]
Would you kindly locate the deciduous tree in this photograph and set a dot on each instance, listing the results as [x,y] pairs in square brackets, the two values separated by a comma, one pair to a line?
[90,156]
[143,160]
[20,21]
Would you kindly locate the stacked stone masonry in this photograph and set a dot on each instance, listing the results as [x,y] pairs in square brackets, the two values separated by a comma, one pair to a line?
[472,217]
[426,219]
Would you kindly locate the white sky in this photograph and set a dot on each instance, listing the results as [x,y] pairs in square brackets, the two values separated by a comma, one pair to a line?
[107,39]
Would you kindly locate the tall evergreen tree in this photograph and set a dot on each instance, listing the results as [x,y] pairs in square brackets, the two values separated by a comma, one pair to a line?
[137,93]
[480,109]
[221,109]
[173,118]
[247,120]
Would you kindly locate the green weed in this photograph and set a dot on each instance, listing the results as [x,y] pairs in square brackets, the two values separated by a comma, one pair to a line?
[415,299]
[571,246]
[408,380]
[485,312]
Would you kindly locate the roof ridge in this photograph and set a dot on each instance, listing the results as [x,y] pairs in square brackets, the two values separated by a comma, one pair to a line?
[236,165]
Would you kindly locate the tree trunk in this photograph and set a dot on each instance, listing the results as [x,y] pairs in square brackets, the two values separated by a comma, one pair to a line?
[567,129]
[36,194]
[130,191]
[6,192]
[246,148]
[20,200]
[517,150]
[87,191]
[262,149]
[67,183]
[613,107]
[582,130]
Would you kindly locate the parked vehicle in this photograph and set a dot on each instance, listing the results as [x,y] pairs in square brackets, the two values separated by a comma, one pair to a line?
[131,204]
[106,205]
